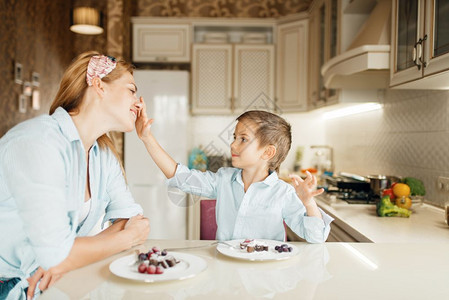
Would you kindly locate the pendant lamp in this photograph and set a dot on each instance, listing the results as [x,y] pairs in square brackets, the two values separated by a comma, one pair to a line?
[86,20]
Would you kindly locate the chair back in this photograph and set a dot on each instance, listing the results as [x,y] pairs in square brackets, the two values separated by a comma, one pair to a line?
[208,222]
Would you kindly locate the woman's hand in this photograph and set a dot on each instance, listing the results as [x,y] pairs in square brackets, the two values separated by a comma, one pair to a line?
[143,124]
[305,188]
[138,227]
[47,278]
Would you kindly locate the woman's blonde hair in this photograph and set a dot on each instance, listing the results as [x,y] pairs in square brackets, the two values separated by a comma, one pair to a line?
[73,87]
[270,130]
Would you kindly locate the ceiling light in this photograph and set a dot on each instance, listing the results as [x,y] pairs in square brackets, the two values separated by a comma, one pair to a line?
[86,20]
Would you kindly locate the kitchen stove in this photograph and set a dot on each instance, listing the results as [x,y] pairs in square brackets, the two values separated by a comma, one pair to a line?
[355,197]
[351,190]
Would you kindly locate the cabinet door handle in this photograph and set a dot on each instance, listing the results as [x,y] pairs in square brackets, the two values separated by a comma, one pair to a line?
[416,55]
[421,57]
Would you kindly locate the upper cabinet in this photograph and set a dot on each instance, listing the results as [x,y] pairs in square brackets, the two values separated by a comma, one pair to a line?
[233,66]
[420,44]
[161,43]
[292,65]
[212,79]
[229,78]
[254,77]
[323,45]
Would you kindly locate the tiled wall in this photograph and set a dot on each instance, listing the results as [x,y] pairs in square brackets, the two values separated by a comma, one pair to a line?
[408,137]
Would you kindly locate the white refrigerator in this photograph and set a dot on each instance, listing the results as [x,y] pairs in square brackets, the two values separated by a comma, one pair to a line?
[166,96]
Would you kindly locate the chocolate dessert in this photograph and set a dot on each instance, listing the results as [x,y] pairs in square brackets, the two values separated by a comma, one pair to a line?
[155,261]
[253,246]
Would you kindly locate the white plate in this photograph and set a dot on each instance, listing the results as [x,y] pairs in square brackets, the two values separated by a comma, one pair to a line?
[271,254]
[188,266]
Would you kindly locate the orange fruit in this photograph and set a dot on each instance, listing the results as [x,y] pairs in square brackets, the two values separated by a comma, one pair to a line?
[404,202]
[401,190]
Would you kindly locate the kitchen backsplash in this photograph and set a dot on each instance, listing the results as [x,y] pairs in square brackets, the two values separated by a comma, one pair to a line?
[408,137]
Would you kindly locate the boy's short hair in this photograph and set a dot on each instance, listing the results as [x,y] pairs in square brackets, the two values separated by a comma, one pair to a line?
[271,129]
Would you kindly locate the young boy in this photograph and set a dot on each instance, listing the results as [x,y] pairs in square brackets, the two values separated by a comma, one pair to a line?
[252,202]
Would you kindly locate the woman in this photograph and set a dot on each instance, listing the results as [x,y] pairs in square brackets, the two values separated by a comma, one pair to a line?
[60,173]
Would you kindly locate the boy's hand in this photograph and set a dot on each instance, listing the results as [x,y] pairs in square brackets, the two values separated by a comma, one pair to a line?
[143,125]
[305,188]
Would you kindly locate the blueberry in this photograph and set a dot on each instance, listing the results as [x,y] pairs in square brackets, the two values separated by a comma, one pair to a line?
[164,252]
[276,248]
[290,249]
[142,257]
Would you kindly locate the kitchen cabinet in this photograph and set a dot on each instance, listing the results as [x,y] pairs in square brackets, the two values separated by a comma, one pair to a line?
[232,78]
[340,232]
[161,43]
[211,79]
[292,64]
[420,44]
[323,45]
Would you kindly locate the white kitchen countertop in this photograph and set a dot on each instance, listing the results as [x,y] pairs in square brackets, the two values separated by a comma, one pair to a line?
[319,271]
[425,225]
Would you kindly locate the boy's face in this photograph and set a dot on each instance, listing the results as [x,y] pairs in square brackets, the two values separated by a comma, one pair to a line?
[245,149]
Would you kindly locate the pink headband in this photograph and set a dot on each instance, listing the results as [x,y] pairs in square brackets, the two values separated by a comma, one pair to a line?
[99,66]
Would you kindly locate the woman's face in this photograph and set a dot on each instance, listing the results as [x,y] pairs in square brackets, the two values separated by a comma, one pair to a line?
[122,103]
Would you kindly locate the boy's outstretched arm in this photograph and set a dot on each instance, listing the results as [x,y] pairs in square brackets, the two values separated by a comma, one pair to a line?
[306,190]
[162,159]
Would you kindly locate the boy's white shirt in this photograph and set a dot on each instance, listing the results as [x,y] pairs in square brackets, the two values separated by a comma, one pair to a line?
[258,213]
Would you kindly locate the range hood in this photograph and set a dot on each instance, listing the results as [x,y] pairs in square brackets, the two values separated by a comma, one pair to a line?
[365,65]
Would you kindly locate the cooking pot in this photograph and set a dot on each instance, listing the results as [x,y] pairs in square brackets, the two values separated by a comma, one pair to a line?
[378,183]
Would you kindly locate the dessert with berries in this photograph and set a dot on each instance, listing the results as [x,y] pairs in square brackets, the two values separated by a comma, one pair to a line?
[253,245]
[155,261]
